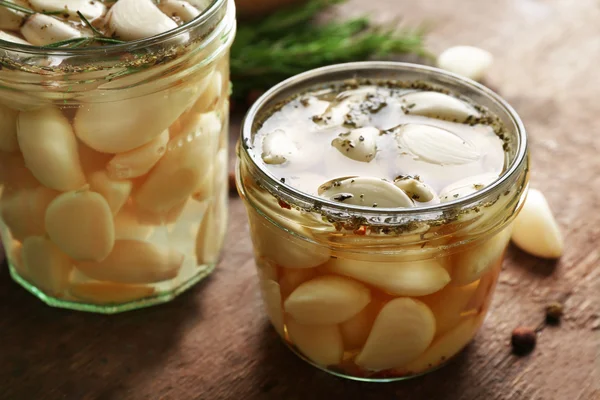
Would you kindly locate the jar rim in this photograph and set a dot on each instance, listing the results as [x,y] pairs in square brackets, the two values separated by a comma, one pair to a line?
[311,78]
[206,15]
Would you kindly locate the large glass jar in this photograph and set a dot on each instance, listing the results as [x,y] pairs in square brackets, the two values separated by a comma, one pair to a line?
[379,294]
[113,165]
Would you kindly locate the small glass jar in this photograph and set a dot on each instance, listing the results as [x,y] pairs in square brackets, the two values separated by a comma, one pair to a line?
[113,165]
[418,282]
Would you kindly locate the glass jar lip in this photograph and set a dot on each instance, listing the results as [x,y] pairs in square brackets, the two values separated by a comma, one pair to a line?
[292,193]
[133,45]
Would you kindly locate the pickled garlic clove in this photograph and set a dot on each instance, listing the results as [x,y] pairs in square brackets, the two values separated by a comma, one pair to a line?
[291,278]
[11,20]
[91,9]
[14,173]
[402,331]
[135,262]
[109,292]
[139,161]
[47,266]
[9,37]
[410,278]
[277,147]
[469,61]
[15,259]
[448,304]
[42,30]
[327,300]
[211,94]
[473,262]
[466,186]
[445,347]
[161,218]
[179,171]
[138,19]
[81,225]
[115,191]
[128,226]
[271,296]
[322,344]
[365,191]
[8,128]
[438,105]
[179,10]
[15,213]
[358,144]
[267,270]
[90,159]
[415,189]
[50,148]
[211,232]
[218,172]
[131,122]
[355,331]
[483,293]
[535,229]
[435,145]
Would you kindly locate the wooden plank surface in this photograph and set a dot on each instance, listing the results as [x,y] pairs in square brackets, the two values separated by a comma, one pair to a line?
[214,342]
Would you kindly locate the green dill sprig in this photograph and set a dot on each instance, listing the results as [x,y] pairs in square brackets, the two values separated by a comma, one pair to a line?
[289,42]
[81,41]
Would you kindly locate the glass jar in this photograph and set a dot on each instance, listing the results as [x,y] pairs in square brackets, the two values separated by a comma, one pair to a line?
[113,165]
[417,282]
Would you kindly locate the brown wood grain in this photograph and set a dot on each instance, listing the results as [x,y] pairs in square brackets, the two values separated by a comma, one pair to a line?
[214,342]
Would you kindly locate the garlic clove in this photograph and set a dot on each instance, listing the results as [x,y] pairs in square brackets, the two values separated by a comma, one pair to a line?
[438,105]
[271,296]
[135,262]
[448,304]
[322,344]
[468,61]
[355,330]
[50,149]
[137,162]
[402,331]
[365,191]
[435,145]
[327,300]
[11,20]
[138,19]
[91,9]
[128,226]
[109,292]
[277,147]
[291,278]
[9,37]
[410,278]
[415,189]
[42,30]
[115,191]
[179,10]
[535,229]
[47,267]
[8,129]
[466,186]
[358,144]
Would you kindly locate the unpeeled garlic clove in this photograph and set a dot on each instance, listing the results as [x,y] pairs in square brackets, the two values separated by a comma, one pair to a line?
[277,147]
[135,262]
[81,224]
[365,191]
[179,10]
[327,300]
[322,344]
[410,278]
[402,332]
[109,292]
[42,30]
[438,105]
[535,229]
[445,347]
[271,296]
[468,61]
[50,149]
[139,161]
[466,186]
[415,189]
[115,191]
[91,9]
[138,19]
[435,145]
[47,266]
[358,144]
[8,128]
[473,262]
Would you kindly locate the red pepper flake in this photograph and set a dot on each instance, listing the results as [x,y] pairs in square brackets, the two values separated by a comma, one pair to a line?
[283,204]
[361,231]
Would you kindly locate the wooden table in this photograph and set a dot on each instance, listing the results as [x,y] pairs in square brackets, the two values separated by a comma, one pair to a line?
[214,342]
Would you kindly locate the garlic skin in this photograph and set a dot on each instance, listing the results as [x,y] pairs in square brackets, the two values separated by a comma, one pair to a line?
[468,61]
[138,19]
[42,30]
[535,229]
